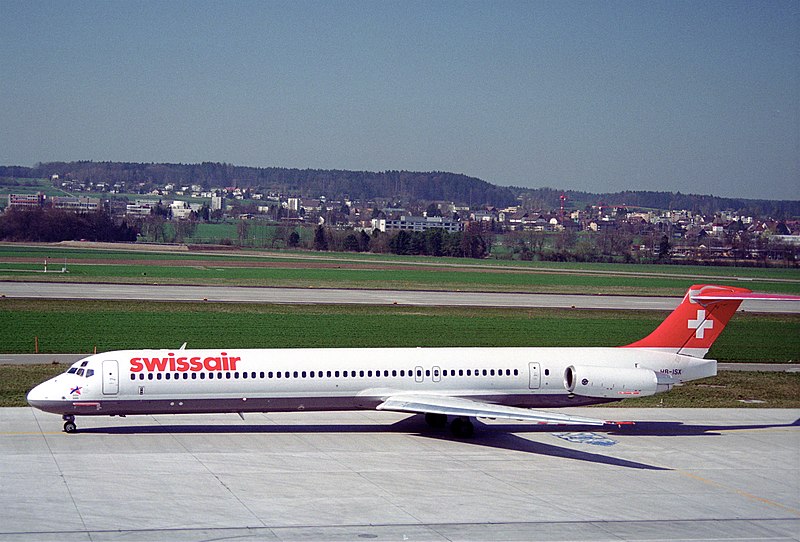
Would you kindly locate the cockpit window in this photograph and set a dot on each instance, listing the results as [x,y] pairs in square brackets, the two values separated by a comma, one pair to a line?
[80,372]
[89,372]
[72,370]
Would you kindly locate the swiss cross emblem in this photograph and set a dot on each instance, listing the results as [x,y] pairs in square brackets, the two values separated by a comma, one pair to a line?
[700,324]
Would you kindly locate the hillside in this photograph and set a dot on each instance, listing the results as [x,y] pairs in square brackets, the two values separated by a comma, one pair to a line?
[387,185]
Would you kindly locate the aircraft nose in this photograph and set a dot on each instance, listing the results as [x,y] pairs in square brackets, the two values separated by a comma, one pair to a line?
[38,395]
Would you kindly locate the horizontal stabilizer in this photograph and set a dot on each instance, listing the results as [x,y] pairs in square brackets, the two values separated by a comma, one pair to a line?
[457,406]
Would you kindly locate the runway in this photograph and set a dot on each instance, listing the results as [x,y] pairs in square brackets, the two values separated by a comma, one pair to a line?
[678,474]
[138,292]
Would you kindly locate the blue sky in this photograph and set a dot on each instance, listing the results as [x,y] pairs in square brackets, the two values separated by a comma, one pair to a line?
[699,97]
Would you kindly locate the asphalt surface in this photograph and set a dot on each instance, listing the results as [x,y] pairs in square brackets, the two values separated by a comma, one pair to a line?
[678,474]
[138,292]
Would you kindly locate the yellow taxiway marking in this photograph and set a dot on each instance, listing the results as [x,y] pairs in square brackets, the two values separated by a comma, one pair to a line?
[740,492]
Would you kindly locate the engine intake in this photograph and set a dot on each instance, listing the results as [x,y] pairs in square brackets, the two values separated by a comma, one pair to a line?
[610,382]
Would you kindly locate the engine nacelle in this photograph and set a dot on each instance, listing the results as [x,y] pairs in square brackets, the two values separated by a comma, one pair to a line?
[611,382]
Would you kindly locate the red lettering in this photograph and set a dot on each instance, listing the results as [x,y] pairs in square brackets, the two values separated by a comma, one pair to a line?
[136,365]
[155,364]
[213,364]
[196,364]
[183,364]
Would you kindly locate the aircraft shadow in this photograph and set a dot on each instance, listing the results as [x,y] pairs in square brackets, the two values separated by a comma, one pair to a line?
[497,436]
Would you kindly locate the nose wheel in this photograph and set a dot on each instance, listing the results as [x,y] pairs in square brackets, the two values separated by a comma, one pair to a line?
[69,423]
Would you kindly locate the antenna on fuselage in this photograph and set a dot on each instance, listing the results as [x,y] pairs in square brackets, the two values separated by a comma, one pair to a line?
[183,347]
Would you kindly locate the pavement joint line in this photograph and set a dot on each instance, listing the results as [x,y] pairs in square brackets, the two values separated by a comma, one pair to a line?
[61,475]
[209,471]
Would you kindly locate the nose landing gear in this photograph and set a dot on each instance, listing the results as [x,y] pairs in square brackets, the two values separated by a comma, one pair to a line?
[69,423]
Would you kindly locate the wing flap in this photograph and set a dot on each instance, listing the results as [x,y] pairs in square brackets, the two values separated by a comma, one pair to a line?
[458,406]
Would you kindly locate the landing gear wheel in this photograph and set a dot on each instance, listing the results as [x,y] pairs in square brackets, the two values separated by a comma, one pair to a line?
[462,428]
[70,427]
[437,421]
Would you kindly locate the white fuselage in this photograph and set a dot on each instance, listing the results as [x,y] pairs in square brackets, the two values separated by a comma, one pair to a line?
[273,380]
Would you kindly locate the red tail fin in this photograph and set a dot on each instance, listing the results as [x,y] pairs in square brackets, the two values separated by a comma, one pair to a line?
[696,323]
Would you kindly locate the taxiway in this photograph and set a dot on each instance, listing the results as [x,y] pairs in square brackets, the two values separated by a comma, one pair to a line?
[699,474]
[241,294]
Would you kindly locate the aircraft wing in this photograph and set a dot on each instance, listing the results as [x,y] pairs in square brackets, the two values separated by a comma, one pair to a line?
[458,406]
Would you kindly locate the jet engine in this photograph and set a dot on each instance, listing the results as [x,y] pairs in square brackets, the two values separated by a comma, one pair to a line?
[611,382]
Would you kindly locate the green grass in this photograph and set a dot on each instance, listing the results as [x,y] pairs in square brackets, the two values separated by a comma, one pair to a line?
[80,326]
[727,390]
[73,253]
[216,273]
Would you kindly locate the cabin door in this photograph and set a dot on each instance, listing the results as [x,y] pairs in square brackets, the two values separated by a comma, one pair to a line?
[535,379]
[110,377]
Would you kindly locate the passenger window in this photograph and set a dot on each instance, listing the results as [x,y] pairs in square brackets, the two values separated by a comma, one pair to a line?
[427,372]
[185,376]
[261,374]
[546,372]
[167,376]
[202,376]
[295,374]
[149,376]
[516,372]
[311,374]
[394,372]
[337,374]
[133,376]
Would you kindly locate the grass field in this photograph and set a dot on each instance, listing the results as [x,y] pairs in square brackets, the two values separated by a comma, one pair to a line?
[359,271]
[80,326]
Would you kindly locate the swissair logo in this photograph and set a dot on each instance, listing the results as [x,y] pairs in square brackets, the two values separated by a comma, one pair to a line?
[700,325]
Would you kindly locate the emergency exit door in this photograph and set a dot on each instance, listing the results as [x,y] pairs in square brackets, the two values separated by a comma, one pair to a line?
[110,377]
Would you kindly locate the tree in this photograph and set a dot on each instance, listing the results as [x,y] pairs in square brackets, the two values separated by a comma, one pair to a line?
[294,239]
[320,239]
[242,231]
[664,249]
[351,243]
[363,241]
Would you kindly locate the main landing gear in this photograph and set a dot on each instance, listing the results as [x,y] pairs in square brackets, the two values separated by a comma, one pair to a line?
[69,423]
[461,426]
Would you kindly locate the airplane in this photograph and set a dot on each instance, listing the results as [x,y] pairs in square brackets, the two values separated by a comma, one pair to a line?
[459,383]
